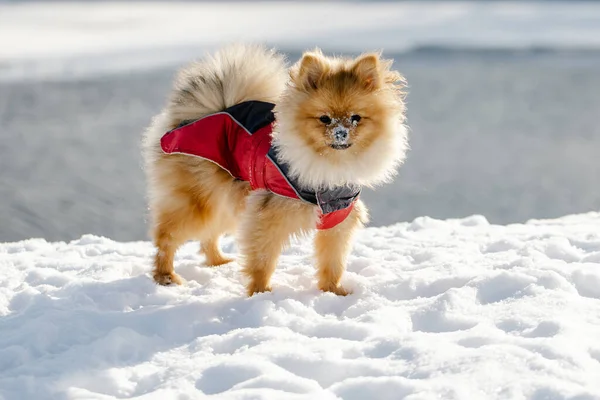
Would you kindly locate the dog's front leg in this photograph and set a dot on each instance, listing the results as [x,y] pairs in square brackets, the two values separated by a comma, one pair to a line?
[332,247]
[267,225]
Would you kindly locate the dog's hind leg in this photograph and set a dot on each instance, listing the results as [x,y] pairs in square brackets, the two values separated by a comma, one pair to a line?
[167,241]
[228,204]
[175,223]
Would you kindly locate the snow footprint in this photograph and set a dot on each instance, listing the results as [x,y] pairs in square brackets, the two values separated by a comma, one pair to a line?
[223,377]
[503,286]
[380,387]
[587,283]
[439,317]
[502,245]
[595,354]
[562,249]
[413,288]
[544,329]
[46,276]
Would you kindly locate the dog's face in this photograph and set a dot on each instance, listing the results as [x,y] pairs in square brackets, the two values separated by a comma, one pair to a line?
[341,108]
[340,121]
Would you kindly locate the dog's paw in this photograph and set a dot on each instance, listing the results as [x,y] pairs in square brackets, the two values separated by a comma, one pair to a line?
[331,287]
[167,279]
[255,287]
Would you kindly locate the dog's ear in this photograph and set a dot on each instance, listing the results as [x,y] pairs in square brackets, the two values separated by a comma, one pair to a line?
[312,68]
[367,69]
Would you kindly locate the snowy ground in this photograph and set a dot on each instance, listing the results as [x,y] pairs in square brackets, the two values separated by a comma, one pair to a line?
[455,309]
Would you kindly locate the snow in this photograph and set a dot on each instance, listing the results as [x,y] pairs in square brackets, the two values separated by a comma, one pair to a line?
[451,309]
[72,39]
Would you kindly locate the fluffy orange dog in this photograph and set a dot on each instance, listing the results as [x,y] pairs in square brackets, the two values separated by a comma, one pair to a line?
[338,122]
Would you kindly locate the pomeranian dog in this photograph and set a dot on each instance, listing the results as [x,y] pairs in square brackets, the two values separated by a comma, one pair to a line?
[249,147]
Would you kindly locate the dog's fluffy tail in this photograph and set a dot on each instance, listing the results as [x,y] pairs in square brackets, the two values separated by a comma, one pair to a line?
[232,75]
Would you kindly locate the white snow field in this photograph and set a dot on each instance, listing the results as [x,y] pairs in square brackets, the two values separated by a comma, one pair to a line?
[74,39]
[456,309]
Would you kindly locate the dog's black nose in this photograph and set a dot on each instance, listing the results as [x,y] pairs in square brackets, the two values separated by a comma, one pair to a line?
[341,135]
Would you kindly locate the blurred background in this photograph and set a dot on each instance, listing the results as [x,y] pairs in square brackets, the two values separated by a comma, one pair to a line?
[503,103]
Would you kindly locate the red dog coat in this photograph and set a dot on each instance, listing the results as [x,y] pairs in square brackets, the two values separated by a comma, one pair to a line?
[238,140]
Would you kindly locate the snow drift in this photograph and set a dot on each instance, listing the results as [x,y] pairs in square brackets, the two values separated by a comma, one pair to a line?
[456,309]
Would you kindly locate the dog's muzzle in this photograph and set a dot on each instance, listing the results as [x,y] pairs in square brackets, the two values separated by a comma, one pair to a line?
[340,138]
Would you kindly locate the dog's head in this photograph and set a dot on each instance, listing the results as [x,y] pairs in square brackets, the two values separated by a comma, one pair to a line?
[340,121]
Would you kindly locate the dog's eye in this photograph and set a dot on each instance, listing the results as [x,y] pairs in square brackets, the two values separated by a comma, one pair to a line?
[325,119]
[355,118]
